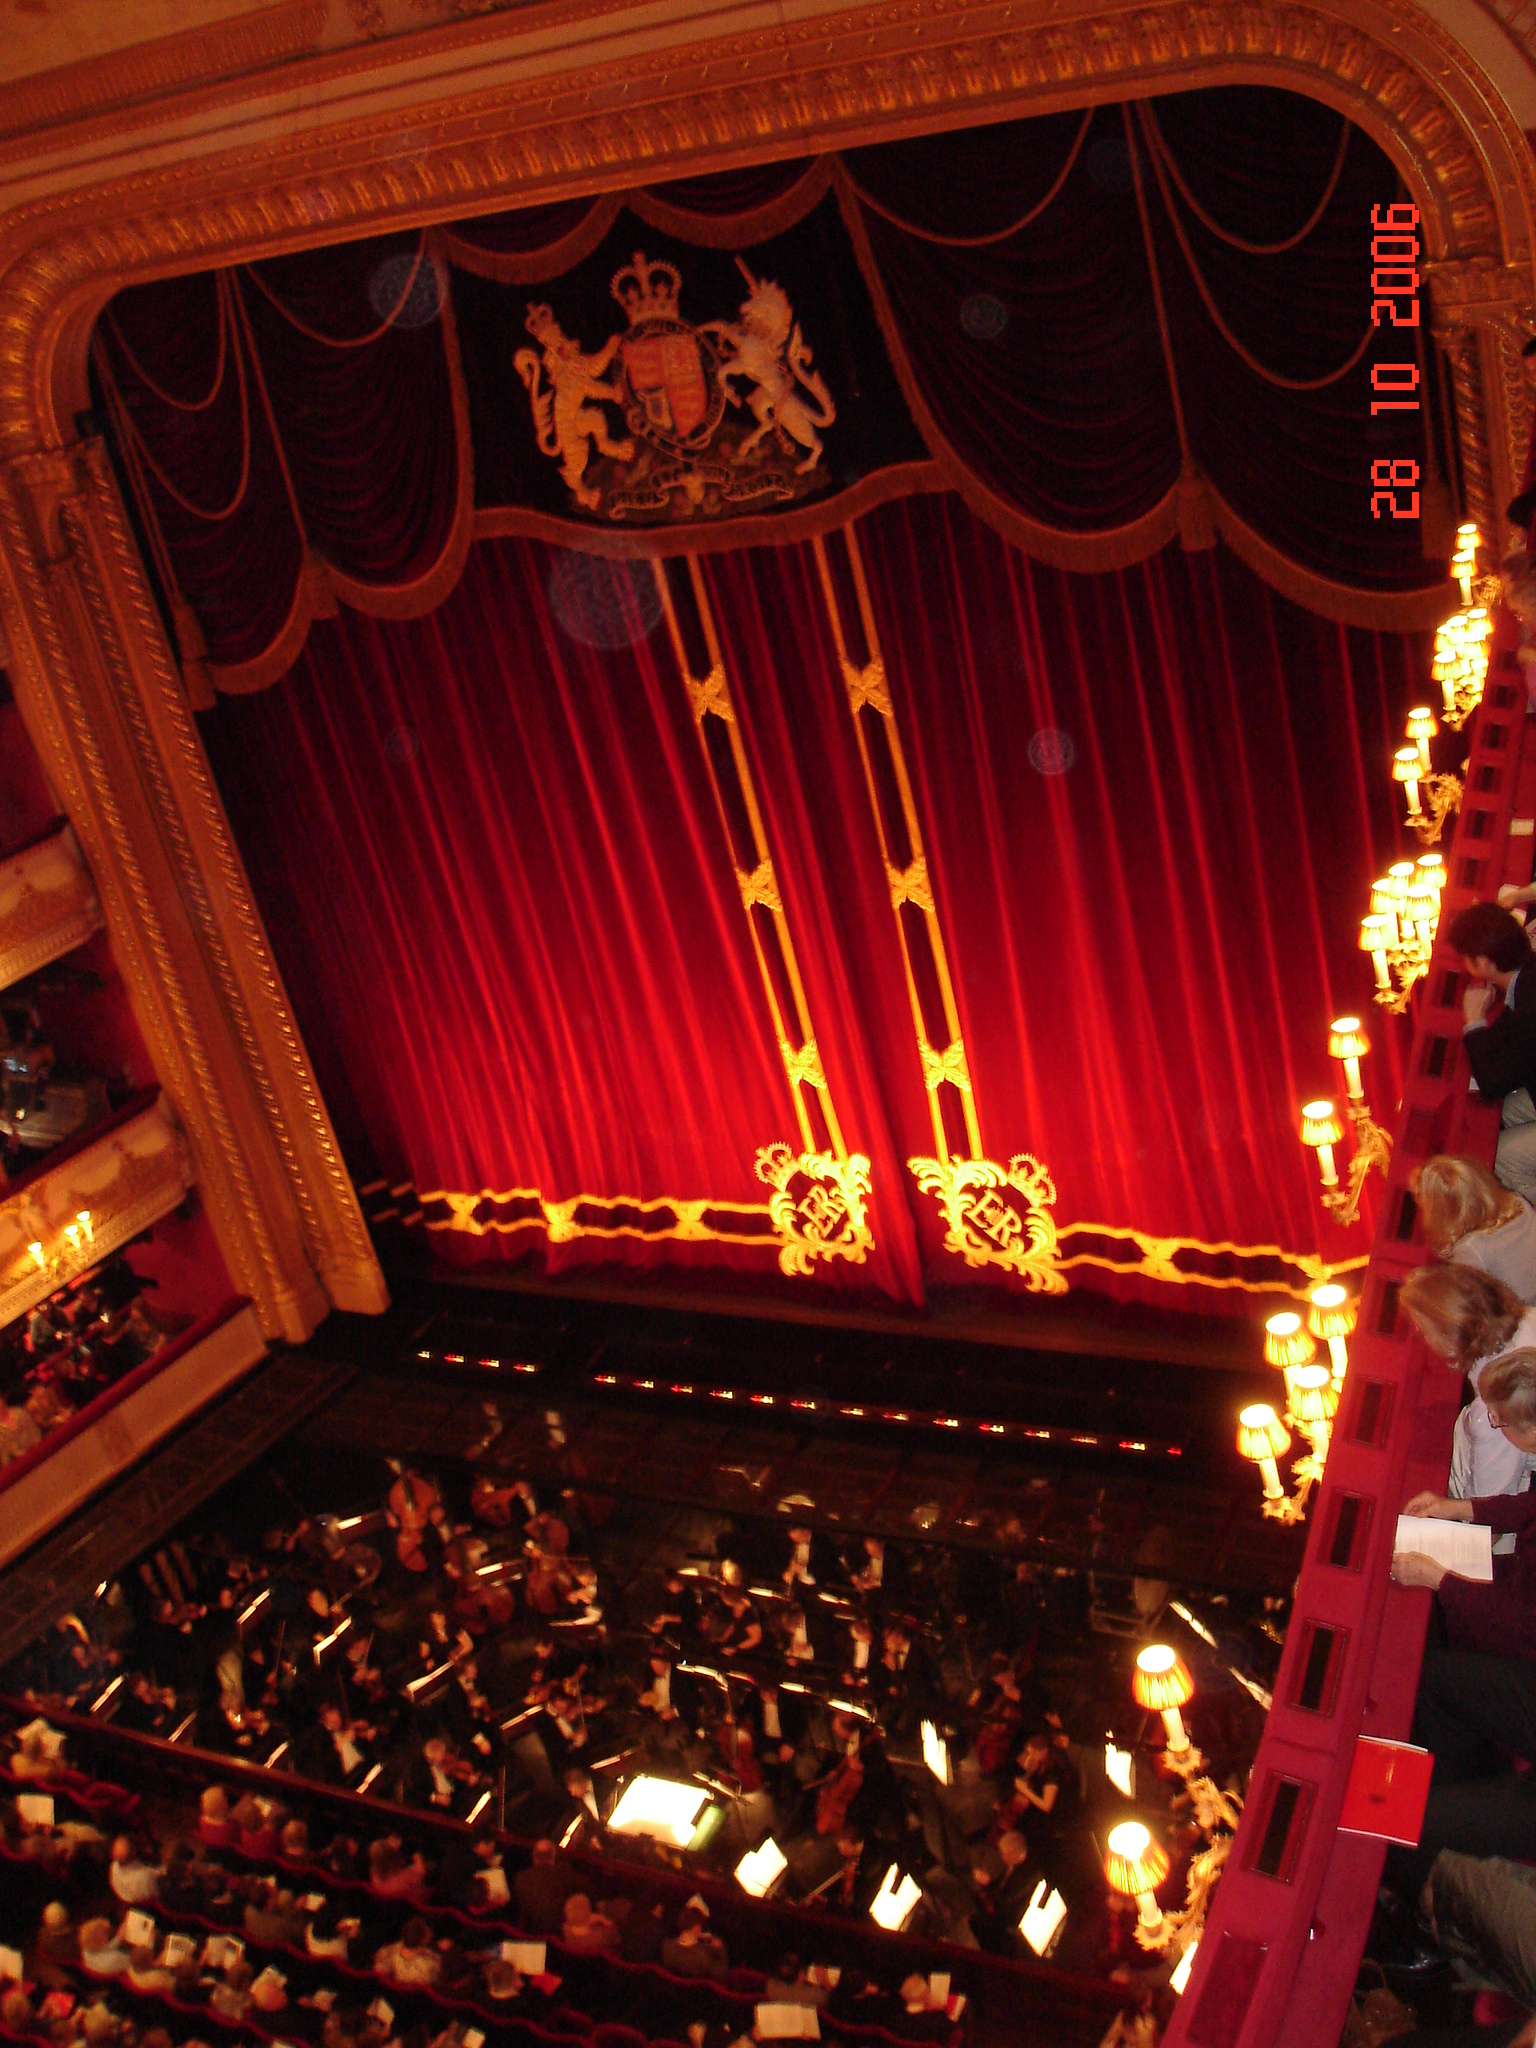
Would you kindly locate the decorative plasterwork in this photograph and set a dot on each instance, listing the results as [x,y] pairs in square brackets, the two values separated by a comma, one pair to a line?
[126,1181]
[156,70]
[48,905]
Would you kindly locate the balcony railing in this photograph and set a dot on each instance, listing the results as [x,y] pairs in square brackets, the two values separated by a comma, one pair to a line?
[1281,1947]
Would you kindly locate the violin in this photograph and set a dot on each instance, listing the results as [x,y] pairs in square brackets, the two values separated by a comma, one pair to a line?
[413,1502]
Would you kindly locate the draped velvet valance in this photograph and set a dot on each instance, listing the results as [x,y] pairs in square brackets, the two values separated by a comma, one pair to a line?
[1103,330]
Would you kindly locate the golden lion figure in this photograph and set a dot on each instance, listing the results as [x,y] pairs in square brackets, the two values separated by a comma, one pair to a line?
[767,348]
[566,423]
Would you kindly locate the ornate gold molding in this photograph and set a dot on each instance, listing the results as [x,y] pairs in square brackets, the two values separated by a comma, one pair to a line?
[127,1180]
[156,70]
[818,1211]
[1482,313]
[854,74]
[48,905]
[85,651]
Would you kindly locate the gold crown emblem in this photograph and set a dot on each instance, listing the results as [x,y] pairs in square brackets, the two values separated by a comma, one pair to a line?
[647,291]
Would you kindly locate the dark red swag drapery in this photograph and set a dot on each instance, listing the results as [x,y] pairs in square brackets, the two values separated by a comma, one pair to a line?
[338,422]
[497,887]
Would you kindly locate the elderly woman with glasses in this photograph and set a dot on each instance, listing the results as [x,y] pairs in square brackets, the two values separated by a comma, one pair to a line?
[1497,1617]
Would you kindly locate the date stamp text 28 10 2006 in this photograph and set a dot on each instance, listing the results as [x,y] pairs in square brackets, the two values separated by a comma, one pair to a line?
[1395,294]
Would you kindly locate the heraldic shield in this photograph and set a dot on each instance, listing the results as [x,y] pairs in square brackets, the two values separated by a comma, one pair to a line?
[718,417]
[672,370]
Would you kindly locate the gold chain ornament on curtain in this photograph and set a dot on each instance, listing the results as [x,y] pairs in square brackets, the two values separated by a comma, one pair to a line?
[819,1203]
[994,1215]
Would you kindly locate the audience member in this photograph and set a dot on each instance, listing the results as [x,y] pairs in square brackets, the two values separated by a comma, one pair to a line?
[1470,1319]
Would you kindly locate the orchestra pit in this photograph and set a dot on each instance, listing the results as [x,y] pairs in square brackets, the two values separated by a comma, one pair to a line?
[767,1078]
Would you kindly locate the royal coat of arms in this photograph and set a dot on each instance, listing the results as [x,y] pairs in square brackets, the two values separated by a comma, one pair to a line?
[716,418]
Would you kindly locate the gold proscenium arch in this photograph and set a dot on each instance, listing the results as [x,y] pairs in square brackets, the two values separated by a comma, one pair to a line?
[501,111]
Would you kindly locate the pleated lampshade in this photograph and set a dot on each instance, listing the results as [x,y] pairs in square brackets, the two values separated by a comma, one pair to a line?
[1135,1863]
[1261,1433]
[1332,1313]
[1346,1040]
[1285,1341]
[1320,1124]
[1161,1679]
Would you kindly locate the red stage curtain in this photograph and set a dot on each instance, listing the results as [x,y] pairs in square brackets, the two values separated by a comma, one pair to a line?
[493,871]
[498,889]
[1147,948]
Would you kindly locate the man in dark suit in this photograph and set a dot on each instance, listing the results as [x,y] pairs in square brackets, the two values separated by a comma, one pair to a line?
[1502,1050]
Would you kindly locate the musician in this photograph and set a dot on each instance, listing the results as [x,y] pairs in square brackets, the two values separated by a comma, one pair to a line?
[435,1776]
[334,1750]
[742,1632]
[677,1614]
[856,1883]
[812,1560]
[671,1697]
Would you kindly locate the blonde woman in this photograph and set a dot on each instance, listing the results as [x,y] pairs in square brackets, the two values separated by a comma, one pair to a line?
[1469,1319]
[1474,1220]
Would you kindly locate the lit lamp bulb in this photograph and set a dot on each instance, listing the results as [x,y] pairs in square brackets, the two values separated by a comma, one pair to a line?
[1430,867]
[1314,1402]
[84,1221]
[1263,1437]
[1400,876]
[1443,669]
[1421,730]
[1162,1682]
[1135,1866]
[72,1232]
[1332,1317]
[1406,770]
[1375,938]
[1347,1042]
[1320,1126]
[36,1249]
[1286,1343]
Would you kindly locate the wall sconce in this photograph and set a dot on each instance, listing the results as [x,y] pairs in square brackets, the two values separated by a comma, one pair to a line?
[1320,1128]
[1407,770]
[1442,793]
[1313,1401]
[1461,659]
[1349,1044]
[1394,938]
[1464,560]
[71,1255]
[1421,730]
[1161,1683]
[1263,1437]
[1378,937]
[1135,1866]
[1331,1318]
